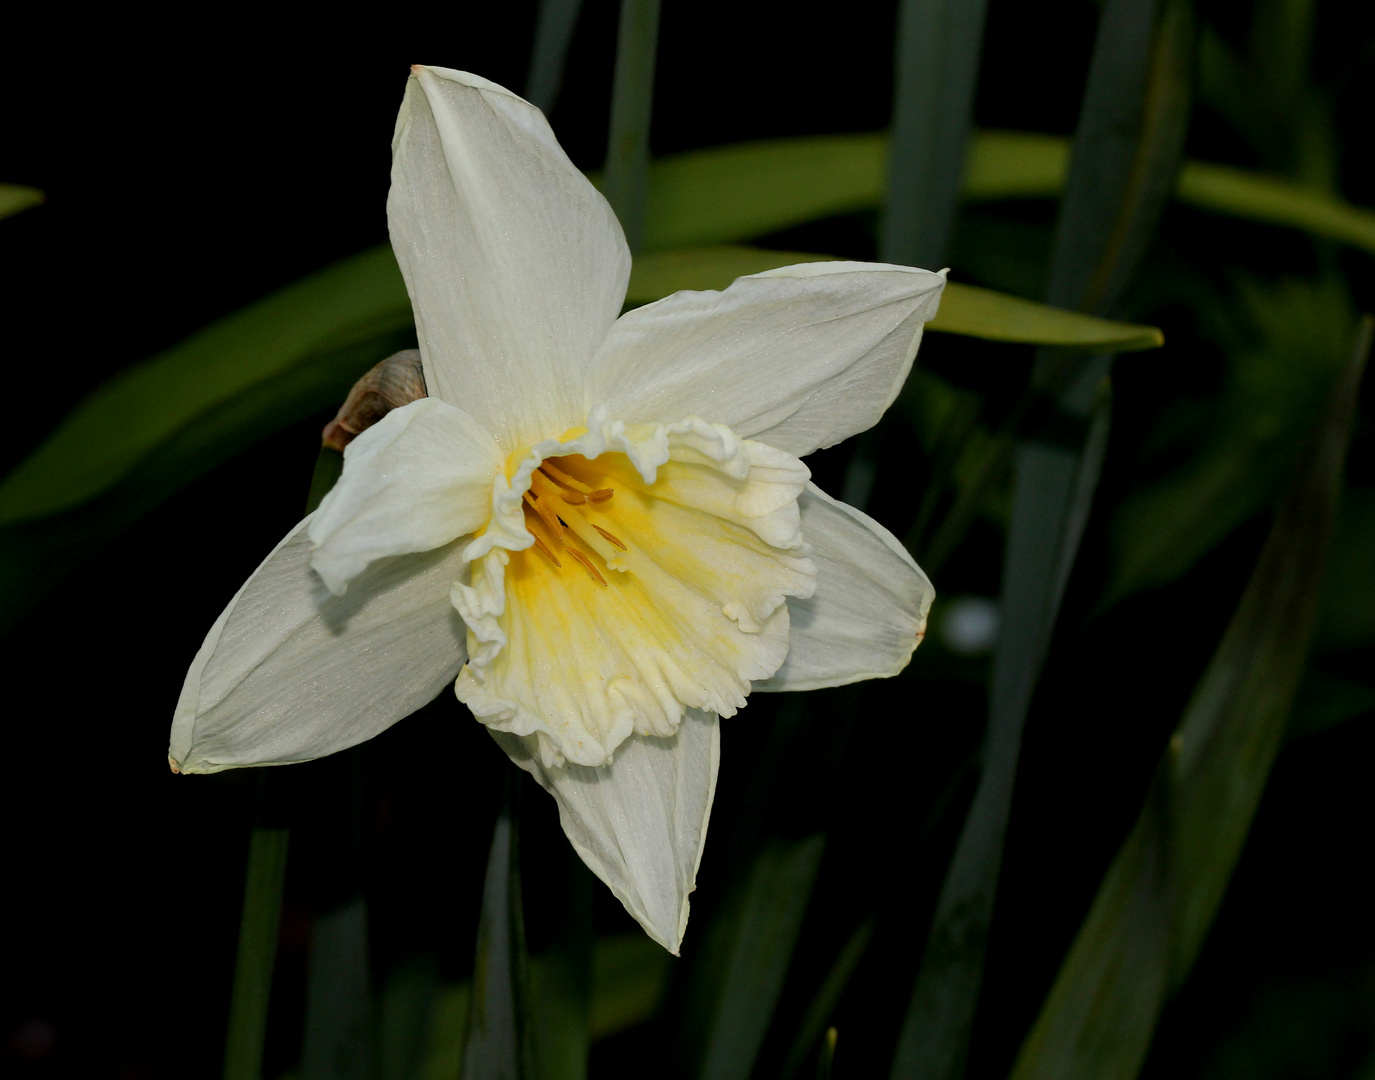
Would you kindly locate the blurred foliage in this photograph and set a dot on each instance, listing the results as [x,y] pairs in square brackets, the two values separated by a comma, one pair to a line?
[842,812]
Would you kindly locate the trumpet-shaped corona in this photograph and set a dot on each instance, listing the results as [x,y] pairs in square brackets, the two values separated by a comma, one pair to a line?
[632,574]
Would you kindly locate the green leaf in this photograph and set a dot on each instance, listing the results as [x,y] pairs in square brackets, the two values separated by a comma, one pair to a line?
[408,1000]
[1151,915]
[1015,165]
[1279,366]
[447,1024]
[17,197]
[629,977]
[632,98]
[996,316]
[756,943]
[938,44]
[823,1005]
[257,954]
[554,25]
[731,193]
[965,309]
[288,336]
[1127,146]
[658,274]
[494,1047]
[557,1006]
[1275,201]
[338,1042]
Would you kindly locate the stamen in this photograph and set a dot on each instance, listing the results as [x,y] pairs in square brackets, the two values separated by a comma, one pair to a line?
[610,536]
[546,514]
[545,548]
[562,478]
[587,565]
[573,498]
[600,495]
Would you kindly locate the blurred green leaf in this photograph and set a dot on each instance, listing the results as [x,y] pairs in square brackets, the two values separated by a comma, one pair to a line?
[329,466]
[965,309]
[447,1026]
[1326,700]
[753,947]
[554,25]
[338,1041]
[1275,201]
[292,335]
[1347,621]
[557,1003]
[1150,917]
[996,316]
[730,193]
[494,1045]
[823,1005]
[1016,165]
[257,954]
[629,976]
[407,1002]
[1127,149]
[632,96]
[657,274]
[733,193]
[938,46]
[1279,365]
[36,556]
[17,197]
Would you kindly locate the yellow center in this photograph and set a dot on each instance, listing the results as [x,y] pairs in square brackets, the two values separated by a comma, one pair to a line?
[566,495]
[637,599]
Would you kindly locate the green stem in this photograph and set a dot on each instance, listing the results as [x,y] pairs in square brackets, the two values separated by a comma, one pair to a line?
[632,99]
[937,65]
[262,911]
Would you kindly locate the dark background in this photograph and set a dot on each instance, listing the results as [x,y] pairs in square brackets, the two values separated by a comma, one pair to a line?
[190,172]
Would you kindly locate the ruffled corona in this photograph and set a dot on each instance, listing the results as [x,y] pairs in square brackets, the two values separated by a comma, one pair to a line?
[628,574]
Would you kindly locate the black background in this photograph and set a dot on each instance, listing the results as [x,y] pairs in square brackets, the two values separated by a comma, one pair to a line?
[196,160]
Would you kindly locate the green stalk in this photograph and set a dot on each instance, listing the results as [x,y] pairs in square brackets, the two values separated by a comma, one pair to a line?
[937,66]
[632,100]
[262,895]
[554,26]
[1126,156]
[262,912]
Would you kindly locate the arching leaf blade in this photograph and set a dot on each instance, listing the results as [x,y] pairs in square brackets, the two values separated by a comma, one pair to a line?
[132,415]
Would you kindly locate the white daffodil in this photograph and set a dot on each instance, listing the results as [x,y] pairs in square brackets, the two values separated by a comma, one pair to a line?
[596,528]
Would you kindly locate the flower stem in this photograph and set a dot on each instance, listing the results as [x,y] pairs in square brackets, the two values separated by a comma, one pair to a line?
[632,98]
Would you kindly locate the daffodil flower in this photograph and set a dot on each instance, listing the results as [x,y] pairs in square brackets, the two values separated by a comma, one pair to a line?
[597,529]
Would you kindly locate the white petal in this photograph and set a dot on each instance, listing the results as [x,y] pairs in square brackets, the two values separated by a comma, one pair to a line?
[799,358]
[289,672]
[640,822]
[417,479]
[869,610]
[515,264]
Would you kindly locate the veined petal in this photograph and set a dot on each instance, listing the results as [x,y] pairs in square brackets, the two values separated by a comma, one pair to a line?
[798,358]
[515,264]
[290,672]
[868,612]
[627,575]
[639,823]
[417,479]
